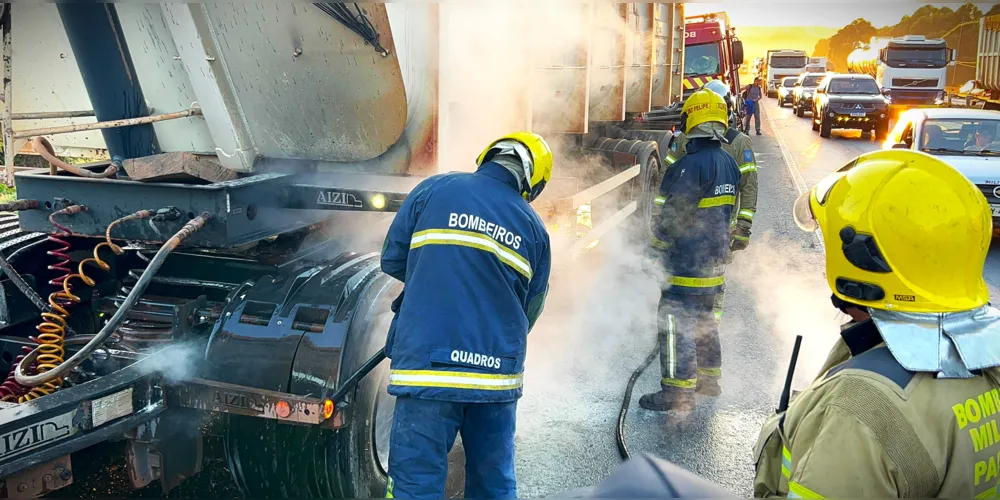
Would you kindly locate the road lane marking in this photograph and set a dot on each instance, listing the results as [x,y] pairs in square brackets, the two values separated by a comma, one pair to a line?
[793,168]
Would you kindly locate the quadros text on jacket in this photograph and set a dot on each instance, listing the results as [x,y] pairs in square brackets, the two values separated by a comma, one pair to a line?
[475,260]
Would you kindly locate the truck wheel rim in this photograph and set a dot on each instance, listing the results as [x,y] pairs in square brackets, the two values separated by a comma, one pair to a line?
[385,407]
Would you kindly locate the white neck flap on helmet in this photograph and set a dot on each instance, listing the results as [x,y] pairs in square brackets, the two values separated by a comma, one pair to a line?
[521,172]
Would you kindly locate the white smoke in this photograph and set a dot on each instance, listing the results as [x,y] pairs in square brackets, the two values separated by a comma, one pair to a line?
[792,297]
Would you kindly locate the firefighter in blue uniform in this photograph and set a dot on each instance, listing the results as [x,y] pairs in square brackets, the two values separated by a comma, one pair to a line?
[690,237]
[475,260]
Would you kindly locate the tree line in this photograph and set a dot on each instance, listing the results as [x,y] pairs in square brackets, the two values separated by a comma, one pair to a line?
[959,28]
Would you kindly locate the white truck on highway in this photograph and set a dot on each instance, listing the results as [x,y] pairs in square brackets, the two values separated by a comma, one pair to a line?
[783,63]
[816,65]
[910,69]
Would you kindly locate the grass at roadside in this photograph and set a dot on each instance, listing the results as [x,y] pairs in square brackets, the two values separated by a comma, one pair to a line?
[7,194]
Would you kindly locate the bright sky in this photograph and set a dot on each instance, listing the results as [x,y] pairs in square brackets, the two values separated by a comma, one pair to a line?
[816,13]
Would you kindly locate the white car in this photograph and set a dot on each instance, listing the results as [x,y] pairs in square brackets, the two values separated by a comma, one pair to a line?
[967,139]
[785,90]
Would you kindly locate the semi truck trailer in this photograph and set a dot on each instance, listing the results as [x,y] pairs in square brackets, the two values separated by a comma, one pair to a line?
[216,278]
[985,89]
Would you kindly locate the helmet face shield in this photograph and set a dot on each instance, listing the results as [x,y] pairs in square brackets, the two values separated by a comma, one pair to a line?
[802,211]
[803,214]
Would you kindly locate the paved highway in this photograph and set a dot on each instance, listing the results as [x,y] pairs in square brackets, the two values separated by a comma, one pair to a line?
[599,327]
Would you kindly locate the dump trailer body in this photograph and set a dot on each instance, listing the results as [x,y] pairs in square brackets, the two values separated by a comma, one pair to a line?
[988,60]
[248,306]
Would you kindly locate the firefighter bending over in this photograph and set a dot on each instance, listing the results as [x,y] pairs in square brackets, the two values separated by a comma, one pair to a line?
[738,145]
[908,400]
[475,260]
[690,237]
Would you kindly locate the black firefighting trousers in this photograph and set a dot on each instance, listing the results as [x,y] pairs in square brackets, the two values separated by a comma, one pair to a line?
[688,334]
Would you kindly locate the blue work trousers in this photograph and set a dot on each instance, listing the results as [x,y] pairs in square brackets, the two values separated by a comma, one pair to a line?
[423,432]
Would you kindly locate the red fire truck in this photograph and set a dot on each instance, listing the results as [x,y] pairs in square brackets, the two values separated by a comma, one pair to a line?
[711,51]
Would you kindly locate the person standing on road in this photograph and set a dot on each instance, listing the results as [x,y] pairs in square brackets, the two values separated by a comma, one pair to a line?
[754,96]
[690,237]
[475,259]
[907,403]
[738,145]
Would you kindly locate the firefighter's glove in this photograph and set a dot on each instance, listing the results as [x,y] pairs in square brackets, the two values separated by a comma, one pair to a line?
[739,239]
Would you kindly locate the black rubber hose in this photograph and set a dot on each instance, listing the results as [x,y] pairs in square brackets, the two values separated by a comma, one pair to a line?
[26,289]
[620,431]
[356,377]
[116,319]
[26,249]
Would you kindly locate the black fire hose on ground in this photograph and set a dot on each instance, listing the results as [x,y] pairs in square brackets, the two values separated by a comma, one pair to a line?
[627,400]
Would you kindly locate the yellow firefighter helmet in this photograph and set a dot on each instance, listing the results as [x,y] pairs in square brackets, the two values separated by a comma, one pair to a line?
[535,155]
[704,106]
[903,231]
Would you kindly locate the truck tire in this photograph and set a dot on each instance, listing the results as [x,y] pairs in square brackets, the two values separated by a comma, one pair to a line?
[815,122]
[268,459]
[781,102]
[800,111]
[824,128]
[361,449]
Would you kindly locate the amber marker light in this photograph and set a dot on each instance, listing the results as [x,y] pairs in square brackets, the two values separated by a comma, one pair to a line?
[283,409]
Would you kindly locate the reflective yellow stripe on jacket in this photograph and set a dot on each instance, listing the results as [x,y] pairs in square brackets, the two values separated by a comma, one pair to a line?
[456,380]
[475,240]
[748,167]
[717,201]
[795,490]
[746,214]
[657,207]
[698,282]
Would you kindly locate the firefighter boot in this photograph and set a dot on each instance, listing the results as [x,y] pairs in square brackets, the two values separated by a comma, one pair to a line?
[669,399]
[708,386]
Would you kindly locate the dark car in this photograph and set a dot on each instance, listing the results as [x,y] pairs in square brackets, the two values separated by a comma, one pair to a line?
[850,101]
[805,89]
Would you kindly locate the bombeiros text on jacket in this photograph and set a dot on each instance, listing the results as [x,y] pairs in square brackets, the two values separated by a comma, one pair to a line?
[725,189]
[491,229]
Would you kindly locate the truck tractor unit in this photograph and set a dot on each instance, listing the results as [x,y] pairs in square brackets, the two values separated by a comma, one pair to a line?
[781,64]
[711,51]
[208,289]
[816,65]
[984,91]
[911,70]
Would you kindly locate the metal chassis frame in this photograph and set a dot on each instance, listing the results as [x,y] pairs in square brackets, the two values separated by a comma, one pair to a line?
[243,210]
[152,395]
